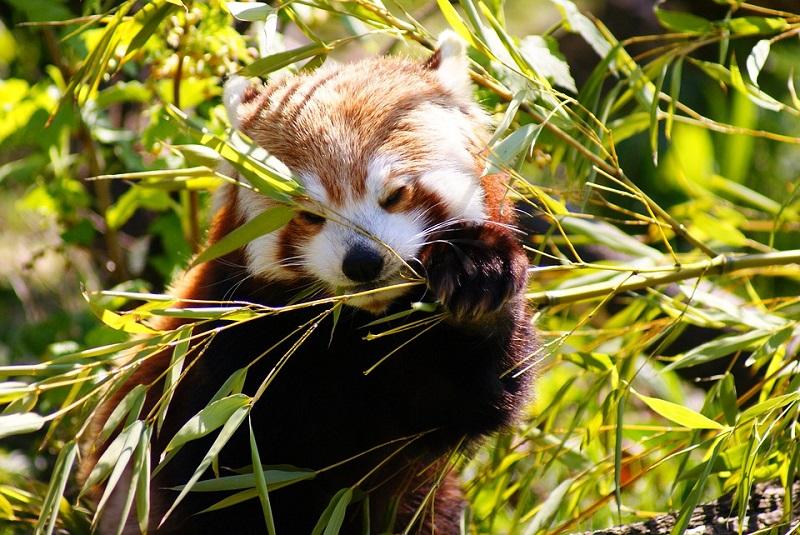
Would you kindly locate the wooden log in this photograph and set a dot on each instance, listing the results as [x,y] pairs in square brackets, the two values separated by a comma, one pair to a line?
[765,511]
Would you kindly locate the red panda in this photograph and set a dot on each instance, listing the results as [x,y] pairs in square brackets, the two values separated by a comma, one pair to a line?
[390,154]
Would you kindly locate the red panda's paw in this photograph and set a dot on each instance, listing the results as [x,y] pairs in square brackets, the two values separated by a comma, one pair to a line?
[475,269]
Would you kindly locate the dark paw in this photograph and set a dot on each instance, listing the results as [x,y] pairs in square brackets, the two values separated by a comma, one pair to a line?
[475,269]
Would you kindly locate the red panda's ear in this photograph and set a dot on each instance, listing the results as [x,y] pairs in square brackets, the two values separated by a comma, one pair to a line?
[451,63]
[239,92]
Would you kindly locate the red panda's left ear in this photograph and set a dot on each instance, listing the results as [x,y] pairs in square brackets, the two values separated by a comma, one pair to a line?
[239,92]
[451,64]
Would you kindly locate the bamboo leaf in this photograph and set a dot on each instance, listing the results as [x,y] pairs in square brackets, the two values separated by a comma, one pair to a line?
[153,15]
[55,490]
[276,479]
[279,60]
[249,11]
[131,406]
[230,427]
[543,519]
[18,424]
[173,373]
[142,474]
[209,419]
[232,385]
[679,414]
[261,482]
[757,59]
[687,508]
[718,348]
[268,221]
[579,23]
[456,22]
[330,522]
[679,21]
[113,463]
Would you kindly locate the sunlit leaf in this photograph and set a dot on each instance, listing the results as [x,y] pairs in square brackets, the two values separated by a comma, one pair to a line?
[18,424]
[679,414]
[268,221]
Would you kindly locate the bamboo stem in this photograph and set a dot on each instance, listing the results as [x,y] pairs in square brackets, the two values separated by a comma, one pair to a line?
[718,265]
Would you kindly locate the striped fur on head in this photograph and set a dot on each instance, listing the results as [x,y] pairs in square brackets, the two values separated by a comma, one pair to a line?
[386,149]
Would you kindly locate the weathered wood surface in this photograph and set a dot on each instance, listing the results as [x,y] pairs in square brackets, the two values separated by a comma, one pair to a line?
[764,511]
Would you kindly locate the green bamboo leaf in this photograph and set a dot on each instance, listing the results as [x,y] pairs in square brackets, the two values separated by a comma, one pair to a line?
[764,407]
[330,522]
[758,97]
[757,59]
[55,490]
[142,451]
[199,155]
[261,482]
[232,500]
[654,109]
[508,116]
[718,348]
[679,21]
[249,11]
[543,56]
[133,199]
[577,22]
[505,153]
[674,95]
[113,463]
[174,371]
[12,390]
[17,424]
[679,414]
[209,419]
[276,479]
[232,385]
[274,62]
[131,406]
[727,399]
[543,519]
[756,25]
[230,427]
[268,221]
[687,508]
[143,485]
[151,16]
[457,23]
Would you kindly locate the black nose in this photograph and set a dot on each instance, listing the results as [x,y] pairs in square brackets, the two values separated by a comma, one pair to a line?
[362,263]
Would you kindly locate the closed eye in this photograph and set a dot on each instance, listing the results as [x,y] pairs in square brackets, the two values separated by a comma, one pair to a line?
[310,218]
[395,198]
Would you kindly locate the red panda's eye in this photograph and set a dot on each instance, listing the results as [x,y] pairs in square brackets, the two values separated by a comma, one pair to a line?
[310,217]
[394,198]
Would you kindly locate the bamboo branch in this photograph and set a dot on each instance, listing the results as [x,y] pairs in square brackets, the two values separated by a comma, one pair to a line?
[715,266]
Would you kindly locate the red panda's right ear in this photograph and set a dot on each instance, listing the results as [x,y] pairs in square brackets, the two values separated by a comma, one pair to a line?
[237,94]
[451,64]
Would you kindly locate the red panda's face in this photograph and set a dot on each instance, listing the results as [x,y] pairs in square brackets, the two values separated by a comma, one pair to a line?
[387,151]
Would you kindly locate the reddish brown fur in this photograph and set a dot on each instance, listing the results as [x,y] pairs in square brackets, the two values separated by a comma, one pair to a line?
[335,137]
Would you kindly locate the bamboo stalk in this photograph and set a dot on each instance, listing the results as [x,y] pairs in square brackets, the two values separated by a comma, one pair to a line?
[718,265]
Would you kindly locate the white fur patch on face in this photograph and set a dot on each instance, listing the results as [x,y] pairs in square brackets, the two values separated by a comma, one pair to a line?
[397,236]
[452,173]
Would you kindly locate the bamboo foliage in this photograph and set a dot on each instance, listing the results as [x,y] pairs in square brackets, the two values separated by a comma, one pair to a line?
[700,236]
